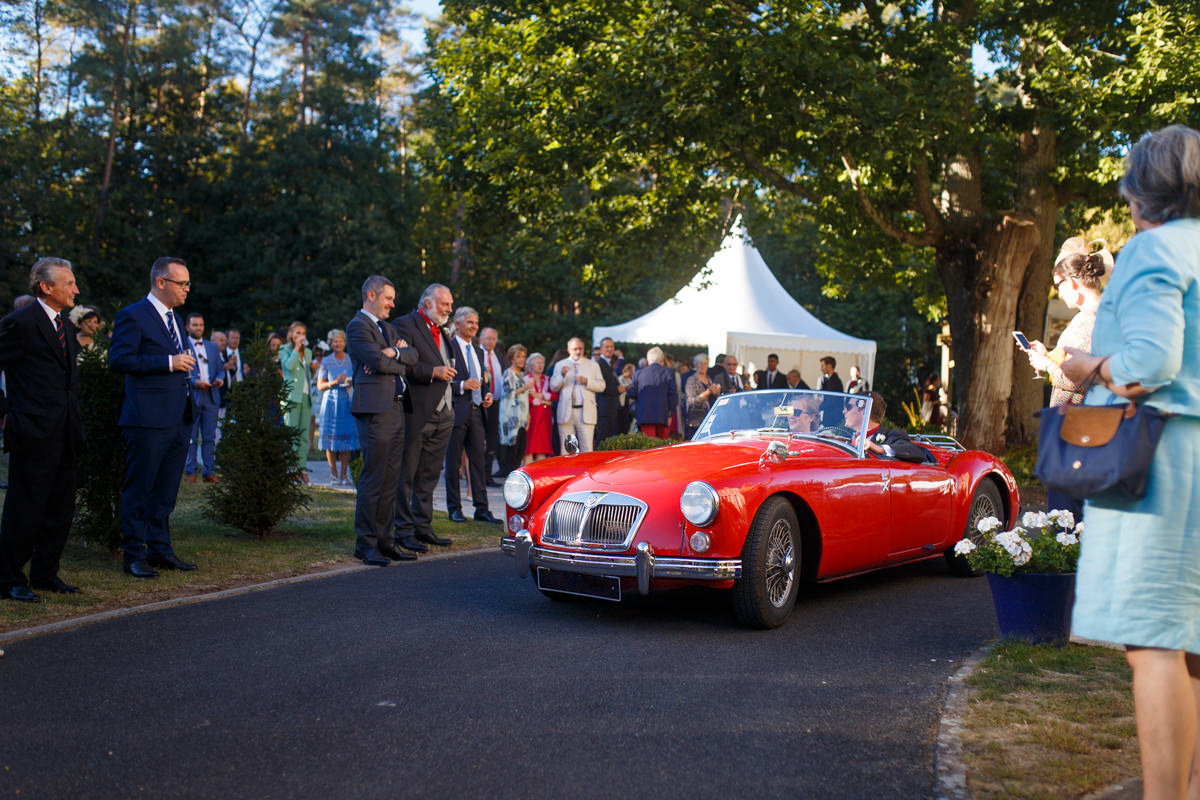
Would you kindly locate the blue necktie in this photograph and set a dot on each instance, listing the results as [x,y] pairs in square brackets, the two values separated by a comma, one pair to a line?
[171,330]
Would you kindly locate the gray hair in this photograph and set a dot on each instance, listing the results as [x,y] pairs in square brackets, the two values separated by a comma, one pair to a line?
[375,284]
[698,359]
[162,265]
[335,333]
[654,355]
[22,300]
[429,292]
[1162,174]
[43,271]
[462,312]
[529,359]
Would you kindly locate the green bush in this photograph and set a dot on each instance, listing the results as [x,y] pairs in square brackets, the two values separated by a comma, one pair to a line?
[256,457]
[1020,462]
[632,441]
[102,465]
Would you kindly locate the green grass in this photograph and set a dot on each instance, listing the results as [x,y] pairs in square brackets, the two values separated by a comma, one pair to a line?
[316,539]
[1048,722]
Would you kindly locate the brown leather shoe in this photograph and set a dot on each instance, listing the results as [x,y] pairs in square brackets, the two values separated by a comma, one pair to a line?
[191,478]
[211,479]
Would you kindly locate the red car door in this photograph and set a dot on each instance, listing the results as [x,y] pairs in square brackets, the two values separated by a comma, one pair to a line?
[922,499]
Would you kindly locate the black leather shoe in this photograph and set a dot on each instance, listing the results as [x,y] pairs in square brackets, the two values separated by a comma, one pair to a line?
[396,554]
[57,585]
[411,543]
[373,558]
[139,569]
[433,538]
[457,516]
[493,484]
[170,562]
[22,594]
[486,516]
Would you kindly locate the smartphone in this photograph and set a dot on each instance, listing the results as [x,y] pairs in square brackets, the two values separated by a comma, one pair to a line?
[1022,342]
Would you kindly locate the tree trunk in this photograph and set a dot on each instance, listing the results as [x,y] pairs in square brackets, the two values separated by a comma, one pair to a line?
[981,315]
[118,98]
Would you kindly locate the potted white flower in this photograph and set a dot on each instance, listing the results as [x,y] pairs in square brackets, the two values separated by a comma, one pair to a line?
[1031,572]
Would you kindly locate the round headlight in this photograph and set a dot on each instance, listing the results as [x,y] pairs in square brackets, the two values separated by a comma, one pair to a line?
[699,503]
[518,490]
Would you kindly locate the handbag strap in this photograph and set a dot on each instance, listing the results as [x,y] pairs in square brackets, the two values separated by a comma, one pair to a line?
[1090,380]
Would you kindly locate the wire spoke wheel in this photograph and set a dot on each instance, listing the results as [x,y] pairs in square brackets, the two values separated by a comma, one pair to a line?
[766,593]
[781,563]
[985,502]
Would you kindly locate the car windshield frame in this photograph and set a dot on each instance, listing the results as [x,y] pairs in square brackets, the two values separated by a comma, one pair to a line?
[782,412]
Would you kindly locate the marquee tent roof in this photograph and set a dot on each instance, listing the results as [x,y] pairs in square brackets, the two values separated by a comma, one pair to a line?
[736,305]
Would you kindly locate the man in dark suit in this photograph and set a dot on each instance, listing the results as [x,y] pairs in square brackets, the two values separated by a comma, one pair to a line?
[156,417]
[608,402]
[471,399]
[726,376]
[205,380]
[380,362]
[43,433]
[771,377]
[882,441]
[831,408]
[494,364]
[431,420]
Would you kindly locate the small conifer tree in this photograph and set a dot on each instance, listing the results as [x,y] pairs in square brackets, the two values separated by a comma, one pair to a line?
[256,457]
[101,472]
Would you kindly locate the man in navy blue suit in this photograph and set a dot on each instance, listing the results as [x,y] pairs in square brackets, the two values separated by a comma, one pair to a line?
[206,379]
[43,433]
[156,418]
[471,397]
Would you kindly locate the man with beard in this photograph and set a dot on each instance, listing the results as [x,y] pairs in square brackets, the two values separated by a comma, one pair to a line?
[430,420]
[577,380]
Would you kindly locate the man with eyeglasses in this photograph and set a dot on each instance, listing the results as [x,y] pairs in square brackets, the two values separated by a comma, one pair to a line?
[881,441]
[156,416]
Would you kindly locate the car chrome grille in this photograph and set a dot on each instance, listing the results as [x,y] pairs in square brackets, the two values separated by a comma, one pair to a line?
[600,520]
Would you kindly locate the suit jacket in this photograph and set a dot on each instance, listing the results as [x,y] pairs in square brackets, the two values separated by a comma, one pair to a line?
[374,373]
[595,383]
[461,396]
[654,390]
[760,380]
[609,399]
[903,448]
[721,377]
[155,396]
[216,371]
[426,391]
[41,382]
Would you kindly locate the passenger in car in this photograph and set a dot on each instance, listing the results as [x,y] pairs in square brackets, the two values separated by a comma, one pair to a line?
[805,410]
[880,440]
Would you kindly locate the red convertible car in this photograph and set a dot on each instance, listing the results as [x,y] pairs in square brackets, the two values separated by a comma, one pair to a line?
[762,498]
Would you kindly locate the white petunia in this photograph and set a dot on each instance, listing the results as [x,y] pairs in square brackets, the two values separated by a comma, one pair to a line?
[1063,518]
[1035,519]
[1021,558]
[963,547]
[987,524]
[1079,528]
[1067,538]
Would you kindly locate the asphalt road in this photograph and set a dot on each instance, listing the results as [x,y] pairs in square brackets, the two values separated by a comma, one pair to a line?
[452,677]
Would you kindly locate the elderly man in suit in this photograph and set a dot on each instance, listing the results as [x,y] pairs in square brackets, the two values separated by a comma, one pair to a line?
[206,379]
[381,360]
[577,380]
[156,417]
[471,400]
[43,433]
[657,397]
[432,418]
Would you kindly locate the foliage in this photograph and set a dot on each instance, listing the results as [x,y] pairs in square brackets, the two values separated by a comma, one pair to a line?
[102,466]
[1020,462]
[256,456]
[632,441]
[356,468]
[1043,542]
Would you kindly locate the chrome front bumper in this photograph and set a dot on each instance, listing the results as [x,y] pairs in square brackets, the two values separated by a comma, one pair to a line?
[643,565]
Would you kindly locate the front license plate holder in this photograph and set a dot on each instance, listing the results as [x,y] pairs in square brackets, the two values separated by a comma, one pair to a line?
[601,587]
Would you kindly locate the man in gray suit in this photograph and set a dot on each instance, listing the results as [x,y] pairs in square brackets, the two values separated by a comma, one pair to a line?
[380,364]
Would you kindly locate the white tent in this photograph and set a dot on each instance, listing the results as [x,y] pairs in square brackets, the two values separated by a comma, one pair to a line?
[740,308]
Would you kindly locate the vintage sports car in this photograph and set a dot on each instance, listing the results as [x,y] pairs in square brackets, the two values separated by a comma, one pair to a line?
[774,489]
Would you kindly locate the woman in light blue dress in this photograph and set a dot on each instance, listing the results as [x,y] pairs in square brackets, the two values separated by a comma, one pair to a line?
[1139,570]
[339,437]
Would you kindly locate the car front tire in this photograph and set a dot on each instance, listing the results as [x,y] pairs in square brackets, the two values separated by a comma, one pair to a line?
[985,502]
[766,593]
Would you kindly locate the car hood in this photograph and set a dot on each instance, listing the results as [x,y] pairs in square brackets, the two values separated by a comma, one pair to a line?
[679,464]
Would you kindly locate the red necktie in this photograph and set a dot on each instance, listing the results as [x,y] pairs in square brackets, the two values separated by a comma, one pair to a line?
[62,336]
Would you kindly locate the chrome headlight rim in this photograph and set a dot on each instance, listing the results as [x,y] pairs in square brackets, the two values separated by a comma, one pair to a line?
[518,490]
[699,503]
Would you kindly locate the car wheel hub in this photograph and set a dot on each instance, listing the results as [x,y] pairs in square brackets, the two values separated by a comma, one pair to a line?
[781,563]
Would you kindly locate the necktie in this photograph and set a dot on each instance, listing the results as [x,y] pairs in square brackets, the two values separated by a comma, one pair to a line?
[473,372]
[171,330]
[62,336]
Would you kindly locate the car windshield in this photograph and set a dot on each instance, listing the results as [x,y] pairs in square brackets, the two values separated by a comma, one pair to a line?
[827,415]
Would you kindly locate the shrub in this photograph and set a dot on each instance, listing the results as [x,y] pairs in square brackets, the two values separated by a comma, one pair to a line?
[102,464]
[1043,542]
[632,441]
[256,457]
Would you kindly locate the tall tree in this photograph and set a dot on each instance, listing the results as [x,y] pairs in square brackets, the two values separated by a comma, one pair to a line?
[871,115]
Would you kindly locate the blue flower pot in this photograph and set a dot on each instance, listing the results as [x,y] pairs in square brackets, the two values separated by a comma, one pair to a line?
[1035,606]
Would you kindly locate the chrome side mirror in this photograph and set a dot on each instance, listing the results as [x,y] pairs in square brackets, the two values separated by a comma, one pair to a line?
[776,453]
[571,444]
